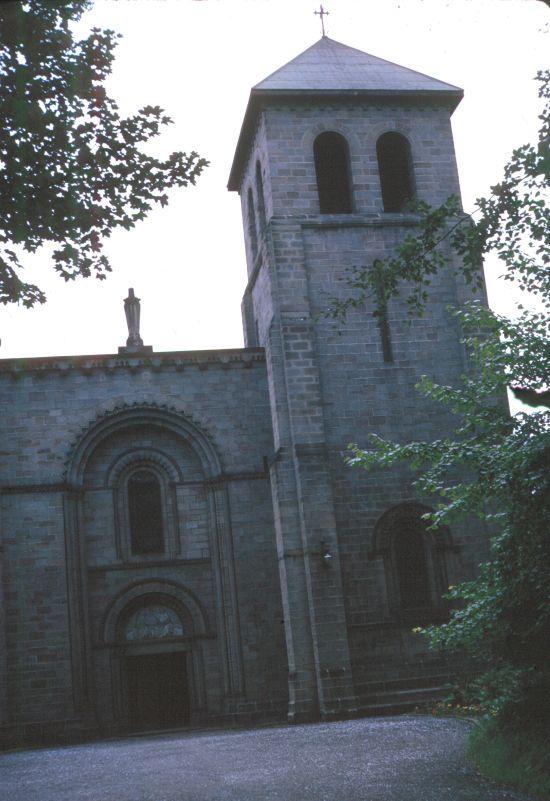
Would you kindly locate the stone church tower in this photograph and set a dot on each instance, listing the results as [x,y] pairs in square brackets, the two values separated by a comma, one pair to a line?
[180,539]
[332,146]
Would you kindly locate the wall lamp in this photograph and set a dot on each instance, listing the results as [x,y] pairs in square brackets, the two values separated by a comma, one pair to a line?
[326,555]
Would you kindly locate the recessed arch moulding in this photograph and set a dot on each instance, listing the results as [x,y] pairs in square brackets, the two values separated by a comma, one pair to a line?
[193,574]
[126,417]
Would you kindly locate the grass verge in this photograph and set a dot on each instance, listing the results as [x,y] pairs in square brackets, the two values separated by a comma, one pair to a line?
[520,758]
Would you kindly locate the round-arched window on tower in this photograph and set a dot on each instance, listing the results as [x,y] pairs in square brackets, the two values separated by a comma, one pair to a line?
[331,154]
[145,512]
[411,566]
[415,563]
[395,167]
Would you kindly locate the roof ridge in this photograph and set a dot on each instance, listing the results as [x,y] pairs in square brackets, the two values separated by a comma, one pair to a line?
[282,67]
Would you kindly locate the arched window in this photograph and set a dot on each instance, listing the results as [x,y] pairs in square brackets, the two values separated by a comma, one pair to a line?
[260,196]
[414,563]
[331,154]
[411,568]
[395,168]
[252,225]
[145,513]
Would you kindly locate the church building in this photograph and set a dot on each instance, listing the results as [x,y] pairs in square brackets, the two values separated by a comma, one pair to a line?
[181,541]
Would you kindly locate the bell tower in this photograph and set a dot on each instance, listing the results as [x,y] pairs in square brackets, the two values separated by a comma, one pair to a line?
[332,147]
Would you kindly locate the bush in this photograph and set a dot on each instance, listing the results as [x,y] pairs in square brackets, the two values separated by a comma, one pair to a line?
[520,758]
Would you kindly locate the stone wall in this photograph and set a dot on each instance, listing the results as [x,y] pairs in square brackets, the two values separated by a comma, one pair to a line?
[67,426]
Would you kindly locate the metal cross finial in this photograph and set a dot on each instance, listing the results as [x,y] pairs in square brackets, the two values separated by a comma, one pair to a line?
[322,13]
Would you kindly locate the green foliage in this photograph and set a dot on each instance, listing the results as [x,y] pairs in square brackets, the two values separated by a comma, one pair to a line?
[416,261]
[512,222]
[493,466]
[496,467]
[520,758]
[71,168]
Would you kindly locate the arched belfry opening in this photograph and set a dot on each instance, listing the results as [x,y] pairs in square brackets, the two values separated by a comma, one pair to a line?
[395,167]
[331,154]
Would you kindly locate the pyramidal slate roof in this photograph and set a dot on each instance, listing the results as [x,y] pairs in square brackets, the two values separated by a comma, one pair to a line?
[331,68]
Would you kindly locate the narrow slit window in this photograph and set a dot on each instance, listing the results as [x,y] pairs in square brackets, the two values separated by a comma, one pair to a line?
[395,168]
[331,154]
[381,315]
[260,195]
[252,225]
[385,332]
[145,510]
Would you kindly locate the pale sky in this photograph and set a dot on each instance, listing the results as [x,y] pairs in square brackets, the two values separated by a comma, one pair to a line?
[198,60]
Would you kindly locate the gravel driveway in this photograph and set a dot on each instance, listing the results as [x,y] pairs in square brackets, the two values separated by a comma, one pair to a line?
[409,758]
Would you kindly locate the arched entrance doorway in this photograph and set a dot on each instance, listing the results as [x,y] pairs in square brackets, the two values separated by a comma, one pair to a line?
[156,658]
[155,670]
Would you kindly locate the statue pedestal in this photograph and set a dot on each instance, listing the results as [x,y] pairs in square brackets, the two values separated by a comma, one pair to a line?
[135,349]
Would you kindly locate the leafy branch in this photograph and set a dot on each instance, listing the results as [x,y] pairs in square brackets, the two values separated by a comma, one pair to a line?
[72,170]
[492,466]
[513,222]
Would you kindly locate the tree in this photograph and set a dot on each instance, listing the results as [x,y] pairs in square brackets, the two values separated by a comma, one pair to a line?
[71,168]
[494,465]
